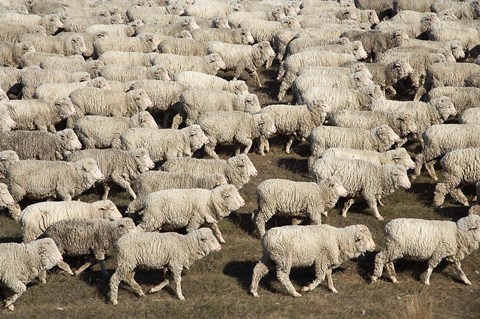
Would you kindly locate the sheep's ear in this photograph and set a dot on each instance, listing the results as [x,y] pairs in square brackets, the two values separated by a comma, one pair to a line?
[473,228]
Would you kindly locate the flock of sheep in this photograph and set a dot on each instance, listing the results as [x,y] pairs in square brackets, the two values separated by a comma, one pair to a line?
[366,76]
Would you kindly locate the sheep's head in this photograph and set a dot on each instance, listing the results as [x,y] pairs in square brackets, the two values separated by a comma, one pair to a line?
[265,54]
[9,157]
[196,136]
[278,13]
[143,160]
[64,107]
[456,49]
[399,175]
[439,194]
[400,156]
[176,9]
[69,141]
[206,240]
[362,78]
[265,124]
[6,121]
[291,22]
[140,99]
[80,76]
[123,226]
[335,183]
[400,69]
[470,225]
[150,39]
[240,87]
[348,14]
[251,103]
[48,251]
[52,23]
[190,24]
[374,92]
[214,180]
[89,170]
[24,47]
[244,164]
[246,36]
[143,119]
[363,240]
[358,50]
[230,198]
[5,198]
[107,209]
[184,34]
[321,109]
[159,72]
[407,123]
[215,60]
[99,83]
[372,17]
[220,23]
[386,136]
[444,107]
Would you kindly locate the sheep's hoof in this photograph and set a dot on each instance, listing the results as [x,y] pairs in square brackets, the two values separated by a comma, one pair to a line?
[114,302]
[181,297]
[11,308]
[296,294]
[435,178]
[335,291]
[467,282]
[305,289]
[380,218]
[394,280]
[255,294]
[373,279]
[222,241]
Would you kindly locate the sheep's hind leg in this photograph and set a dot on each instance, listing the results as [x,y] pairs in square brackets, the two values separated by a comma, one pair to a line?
[463,277]
[319,277]
[260,270]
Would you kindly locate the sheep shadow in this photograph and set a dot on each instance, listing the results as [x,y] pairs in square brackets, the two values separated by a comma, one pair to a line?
[295,165]
[423,191]
[4,240]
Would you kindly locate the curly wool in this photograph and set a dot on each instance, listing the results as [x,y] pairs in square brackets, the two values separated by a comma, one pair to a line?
[11,54]
[10,79]
[449,74]
[470,116]
[355,48]
[324,246]
[237,170]
[208,64]
[428,240]
[54,91]
[74,63]
[165,144]
[234,127]
[183,47]
[113,30]
[388,74]
[81,22]
[300,43]
[13,33]
[36,218]
[51,22]
[462,97]
[128,58]
[40,145]
[6,159]
[164,94]
[297,199]
[262,30]
[233,36]
[71,45]
[144,42]
[150,182]
[375,42]
[125,73]
[210,82]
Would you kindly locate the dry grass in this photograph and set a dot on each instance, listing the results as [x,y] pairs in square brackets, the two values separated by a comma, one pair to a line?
[217,286]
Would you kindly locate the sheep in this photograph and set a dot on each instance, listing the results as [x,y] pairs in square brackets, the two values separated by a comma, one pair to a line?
[414,24]
[382,8]
[398,156]
[375,42]
[458,166]
[324,246]
[235,19]
[54,91]
[191,208]
[115,30]
[297,199]
[128,58]
[183,47]
[80,23]
[150,182]
[454,47]
[40,145]
[442,138]
[147,13]
[233,36]
[71,45]
[262,30]
[51,22]
[11,54]
[387,75]
[470,116]
[463,10]
[234,127]
[10,79]
[449,74]
[211,82]
[368,180]
[7,201]
[355,48]
[171,251]
[237,170]
[208,10]
[428,240]
[293,63]
[467,36]
[194,102]
[94,101]
[35,58]
[36,218]
[239,57]
[12,33]
[144,42]
[96,131]
[83,237]
[301,43]
[119,167]
[402,122]
[188,24]
[419,6]
[462,97]
[124,73]
[165,143]
[175,64]
[6,121]
[296,121]
[378,139]
[39,115]
[73,63]
[21,263]
[6,159]
[434,112]
[33,77]
[38,179]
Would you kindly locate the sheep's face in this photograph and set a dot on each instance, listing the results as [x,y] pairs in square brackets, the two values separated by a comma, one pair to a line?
[319,108]
[5,198]
[387,136]
[220,23]
[217,179]
[291,22]
[206,240]
[69,141]
[145,120]
[267,53]
[252,105]
[89,170]
[240,87]
[336,185]
[471,225]
[400,156]
[125,225]
[444,107]
[399,174]
[9,157]
[190,24]
[230,197]
[407,123]
[363,240]
[439,194]
[175,9]
[50,256]
[77,45]
[80,76]
[64,107]
[278,13]
[265,124]
[358,51]
[246,36]
[52,23]
[196,136]
[160,73]
[152,40]
[244,164]
[95,66]
[140,99]
[99,83]
[216,61]
[6,122]
[457,50]
[3,96]
[373,17]
[362,79]
[143,160]
[25,47]
[107,209]
[348,14]
[401,69]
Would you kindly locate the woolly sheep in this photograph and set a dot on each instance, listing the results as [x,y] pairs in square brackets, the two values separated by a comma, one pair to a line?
[208,10]
[233,36]
[458,166]
[128,58]
[83,237]
[355,48]
[419,6]
[146,12]
[175,64]
[183,47]
[36,218]
[211,82]
[115,30]
[378,139]
[296,121]
[38,179]
[55,91]
[442,138]
[81,22]
[462,97]
[173,29]
[7,123]
[40,145]
[73,63]
[144,42]
[10,80]
[51,22]
[71,45]
[449,74]
[239,57]
[428,240]
[375,42]
[262,30]
[234,127]
[461,10]
[37,114]
[13,33]
[324,246]
[21,263]
[118,167]
[7,201]
[11,54]
[34,58]
[194,102]
[301,43]
[96,131]
[454,47]
[470,116]
[387,75]
[370,181]
[150,182]
[124,73]
[170,251]
[296,199]
[165,143]
[191,208]
[237,170]
[6,159]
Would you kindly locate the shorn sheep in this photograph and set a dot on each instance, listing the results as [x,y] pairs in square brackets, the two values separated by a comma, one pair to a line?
[323,246]
[296,199]
[171,251]
[428,240]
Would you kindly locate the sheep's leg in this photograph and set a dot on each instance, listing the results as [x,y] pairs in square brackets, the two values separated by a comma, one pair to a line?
[120,181]
[194,223]
[289,144]
[431,170]
[380,260]
[130,280]
[296,221]
[330,281]
[177,120]
[283,89]
[380,202]
[419,161]
[477,192]
[315,218]
[65,267]
[217,233]
[210,147]
[372,203]
[283,275]
[260,221]
[115,280]
[432,263]
[106,191]
[253,73]
[463,277]
[18,289]
[177,280]
[262,147]
[64,196]
[392,274]
[346,206]
[159,287]
[458,195]
[83,267]
[244,140]
[100,257]
[260,270]
[319,277]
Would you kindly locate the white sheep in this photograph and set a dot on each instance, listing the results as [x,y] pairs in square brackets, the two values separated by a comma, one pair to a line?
[36,218]
[233,36]
[449,74]
[144,42]
[296,199]
[115,30]
[55,91]
[470,116]
[12,33]
[124,73]
[7,201]
[263,30]
[170,251]
[11,54]
[71,45]
[183,46]
[359,177]
[128,58]
[73,63]
[234,127]
[6,159]
[237,170]
[324,246]
[354,47]
[462,97]
[10,79]
[7,123]
[209,64]
[165,144]
[428,240]
[51,22]
[95,131]
[387,75]
[375,42]
[211,82]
